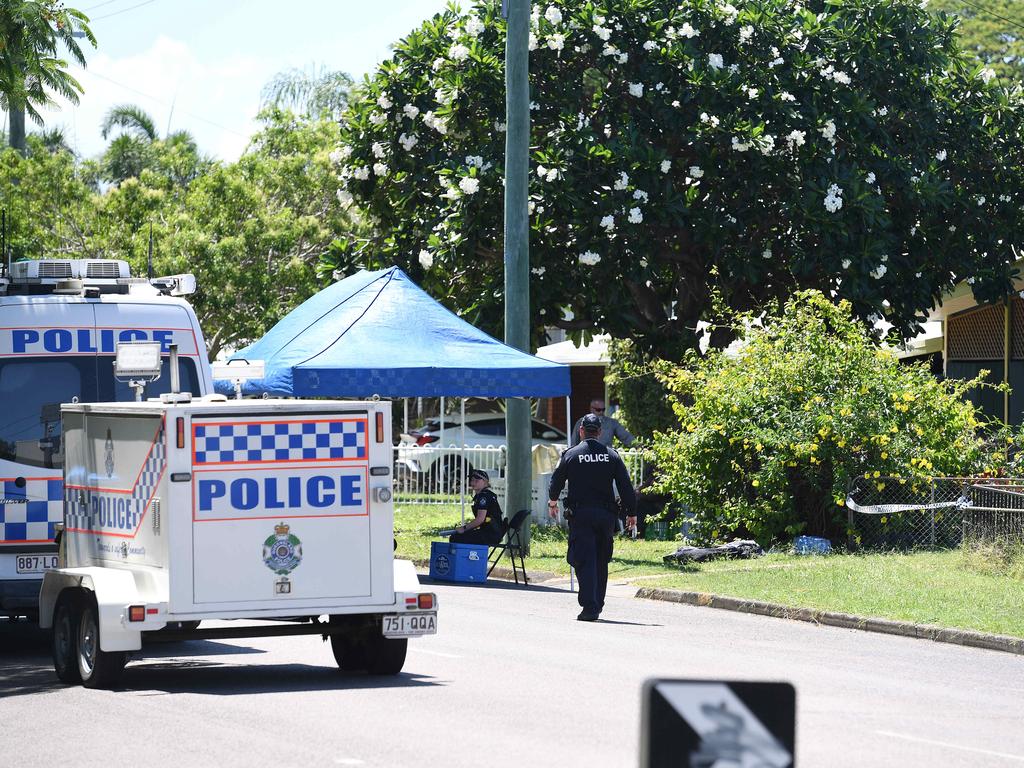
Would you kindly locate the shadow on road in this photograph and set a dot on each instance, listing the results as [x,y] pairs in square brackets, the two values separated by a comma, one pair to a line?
[628,623]
[490,585]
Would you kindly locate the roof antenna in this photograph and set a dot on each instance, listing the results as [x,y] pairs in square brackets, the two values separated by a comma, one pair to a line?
[149,260]
[4,253]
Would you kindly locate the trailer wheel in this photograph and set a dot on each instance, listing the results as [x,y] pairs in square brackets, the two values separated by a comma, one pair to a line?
[385,656]
[349,653]
[99,669]
[65,639]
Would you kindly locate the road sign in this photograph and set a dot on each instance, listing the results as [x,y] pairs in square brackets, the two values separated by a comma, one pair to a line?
[718,724]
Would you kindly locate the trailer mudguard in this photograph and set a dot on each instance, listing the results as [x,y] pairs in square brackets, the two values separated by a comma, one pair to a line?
[114,589]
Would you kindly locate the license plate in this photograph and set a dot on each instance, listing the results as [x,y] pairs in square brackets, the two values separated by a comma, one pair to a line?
[35,563]
[410,625]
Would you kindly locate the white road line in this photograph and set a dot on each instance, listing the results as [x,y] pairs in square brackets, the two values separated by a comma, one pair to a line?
[435,653]
[1004,755]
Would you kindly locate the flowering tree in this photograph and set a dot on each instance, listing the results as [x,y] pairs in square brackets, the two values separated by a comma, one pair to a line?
[687,152]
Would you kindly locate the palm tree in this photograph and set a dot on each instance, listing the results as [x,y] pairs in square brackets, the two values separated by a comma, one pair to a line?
[139,146]
[316,91]
[30,69]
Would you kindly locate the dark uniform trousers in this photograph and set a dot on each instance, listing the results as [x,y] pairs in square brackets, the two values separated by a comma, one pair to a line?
[485,534]
[591,532]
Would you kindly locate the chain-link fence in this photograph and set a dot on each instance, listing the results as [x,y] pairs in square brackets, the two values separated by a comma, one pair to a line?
[900,513]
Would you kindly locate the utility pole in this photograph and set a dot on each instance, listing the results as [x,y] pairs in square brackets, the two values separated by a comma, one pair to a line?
[517,243]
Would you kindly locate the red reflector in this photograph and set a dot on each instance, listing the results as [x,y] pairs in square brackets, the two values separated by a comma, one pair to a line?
[152,611]
[136,613]
[380,426]
[180,430]
[426,602]
[410,600]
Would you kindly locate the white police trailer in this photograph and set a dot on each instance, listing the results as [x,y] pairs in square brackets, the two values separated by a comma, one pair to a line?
[60,322]
[249,510]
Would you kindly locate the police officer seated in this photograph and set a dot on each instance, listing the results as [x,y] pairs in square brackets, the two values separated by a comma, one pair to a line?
[487,527]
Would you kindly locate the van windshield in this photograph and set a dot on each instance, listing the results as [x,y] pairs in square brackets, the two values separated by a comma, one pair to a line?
[33,388]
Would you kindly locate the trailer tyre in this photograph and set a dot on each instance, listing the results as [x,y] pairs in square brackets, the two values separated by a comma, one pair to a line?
[99,669]
[65,639]
[349,653]
[385,656]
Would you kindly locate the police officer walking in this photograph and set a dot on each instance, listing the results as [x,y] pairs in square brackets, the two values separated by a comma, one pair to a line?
[590,469]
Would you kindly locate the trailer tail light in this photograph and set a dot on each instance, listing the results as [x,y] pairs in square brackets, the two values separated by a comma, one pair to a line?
[136,613]
[426,602]
[179,428]
[380,426]
[425,439]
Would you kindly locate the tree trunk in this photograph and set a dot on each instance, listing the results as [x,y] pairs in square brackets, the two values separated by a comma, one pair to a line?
[17,135]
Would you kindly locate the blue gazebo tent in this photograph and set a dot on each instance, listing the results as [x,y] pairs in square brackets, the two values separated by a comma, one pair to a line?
[378,333]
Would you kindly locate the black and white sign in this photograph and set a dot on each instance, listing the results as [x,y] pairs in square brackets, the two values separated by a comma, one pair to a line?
[715,724]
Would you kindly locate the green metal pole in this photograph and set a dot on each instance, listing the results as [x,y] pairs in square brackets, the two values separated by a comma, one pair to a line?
[517,244]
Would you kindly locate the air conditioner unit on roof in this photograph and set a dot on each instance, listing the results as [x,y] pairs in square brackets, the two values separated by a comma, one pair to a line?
[90,271]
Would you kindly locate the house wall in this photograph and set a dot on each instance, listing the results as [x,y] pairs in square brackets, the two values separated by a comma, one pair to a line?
[587,383]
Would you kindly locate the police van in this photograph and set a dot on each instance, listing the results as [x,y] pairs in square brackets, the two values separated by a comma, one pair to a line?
[60,323]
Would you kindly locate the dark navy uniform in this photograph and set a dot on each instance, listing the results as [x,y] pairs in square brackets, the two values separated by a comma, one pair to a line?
[493,528]
[590,469]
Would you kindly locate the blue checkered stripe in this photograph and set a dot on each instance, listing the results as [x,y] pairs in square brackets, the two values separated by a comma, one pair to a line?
[80,502]
[31,512]
[279,441]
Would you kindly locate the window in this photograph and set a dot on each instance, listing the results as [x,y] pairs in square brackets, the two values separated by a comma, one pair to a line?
[494,427]
[542,431]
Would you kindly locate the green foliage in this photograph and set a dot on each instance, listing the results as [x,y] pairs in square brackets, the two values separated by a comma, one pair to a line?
[992,30]
[771,436]
[642,396]
[683,151]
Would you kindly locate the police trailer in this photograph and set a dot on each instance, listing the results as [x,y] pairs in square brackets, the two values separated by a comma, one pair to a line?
[180,511]
[60,323]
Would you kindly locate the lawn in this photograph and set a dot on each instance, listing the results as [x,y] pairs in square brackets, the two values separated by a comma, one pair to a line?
[948,588]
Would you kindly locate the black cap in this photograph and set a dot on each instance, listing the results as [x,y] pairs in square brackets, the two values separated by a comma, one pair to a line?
[479,474]
[591,423]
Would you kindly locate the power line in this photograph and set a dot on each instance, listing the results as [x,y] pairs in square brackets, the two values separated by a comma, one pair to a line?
[164,103]
[94,7]
[123,10]
[993,14]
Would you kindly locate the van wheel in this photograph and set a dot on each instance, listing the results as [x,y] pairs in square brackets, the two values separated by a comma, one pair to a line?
[98,669]
[65,639]
[384,655]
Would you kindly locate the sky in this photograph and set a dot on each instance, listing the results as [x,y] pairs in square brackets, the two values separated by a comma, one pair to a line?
[199,65]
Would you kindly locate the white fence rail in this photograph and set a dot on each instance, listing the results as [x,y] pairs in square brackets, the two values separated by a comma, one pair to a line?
[431,474]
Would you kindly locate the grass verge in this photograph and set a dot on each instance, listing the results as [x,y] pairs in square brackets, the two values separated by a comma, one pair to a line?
[967,589]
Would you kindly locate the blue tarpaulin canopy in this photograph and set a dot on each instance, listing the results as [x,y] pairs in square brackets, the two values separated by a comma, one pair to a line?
[378,333]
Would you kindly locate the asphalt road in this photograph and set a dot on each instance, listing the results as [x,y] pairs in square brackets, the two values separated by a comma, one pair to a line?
[512,680]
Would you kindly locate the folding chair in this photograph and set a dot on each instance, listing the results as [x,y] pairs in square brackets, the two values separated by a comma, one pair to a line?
[513,544]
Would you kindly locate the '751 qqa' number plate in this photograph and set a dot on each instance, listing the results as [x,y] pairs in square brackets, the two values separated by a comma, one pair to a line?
[410,625]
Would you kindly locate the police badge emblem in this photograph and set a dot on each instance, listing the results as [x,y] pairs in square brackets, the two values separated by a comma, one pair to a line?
[282,552]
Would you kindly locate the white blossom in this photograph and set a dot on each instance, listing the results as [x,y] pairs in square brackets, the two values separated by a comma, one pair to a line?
[745,34]
[636,89]
[882,111]
[635,216]
[730,14]
[650,45]
[622,182]
[846,263]
[740,146]
[796,139]
[676,103]
[608,222]
[474,26]
[408,141]
[834,198]
[786,96]
[380,169]
[426,259]
[987,74]
[344,196]
[361,172]
[639,194]
[766,143]
[411,110]
[499,126]
[829,131]
[766,253]
[437,64]
[458,52]
[710,119]
[553,15]
[687,31]
[715,60]
[378,118]
[532,42]
[622,58]
[870,178]
[589,258]
[383,101]
[602,32]
[940,155]
[379,150]
[696,171]
[539,271]
[556,42]
[474,161]
[879,273]
[751,92]
[439,124]
[469,185]
[666,165]
[659,87]
[980,199]
[337,155]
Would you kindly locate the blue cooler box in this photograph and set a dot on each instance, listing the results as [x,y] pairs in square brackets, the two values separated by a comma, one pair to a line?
[811,545]
[458,562]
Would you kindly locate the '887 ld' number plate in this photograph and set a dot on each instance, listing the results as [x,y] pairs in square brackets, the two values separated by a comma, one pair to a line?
[35,563]
[411,625]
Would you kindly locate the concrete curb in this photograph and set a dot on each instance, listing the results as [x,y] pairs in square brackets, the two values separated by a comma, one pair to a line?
[967,637]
